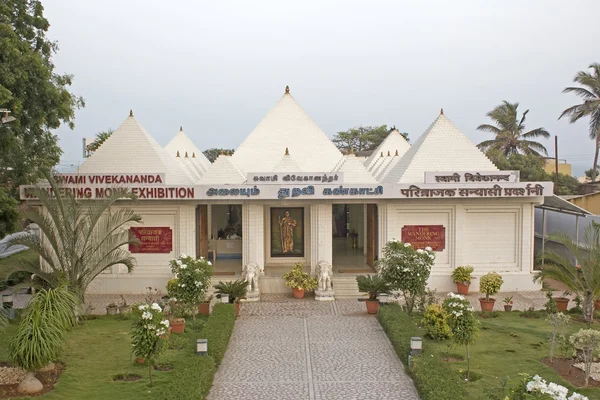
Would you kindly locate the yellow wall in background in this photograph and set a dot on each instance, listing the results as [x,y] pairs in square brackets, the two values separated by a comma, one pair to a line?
[563,168]
[590,203]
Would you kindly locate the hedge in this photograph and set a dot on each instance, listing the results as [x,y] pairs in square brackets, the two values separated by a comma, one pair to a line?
[434,379]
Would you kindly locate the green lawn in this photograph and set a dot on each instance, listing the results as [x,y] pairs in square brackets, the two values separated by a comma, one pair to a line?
[508,345]
[100,349]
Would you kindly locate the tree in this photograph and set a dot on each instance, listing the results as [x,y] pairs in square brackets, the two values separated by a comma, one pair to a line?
[362,138]
[462,322]
[510,137]
[566,184]
[100,138]
[590,93]
[9,214]
[213,153]
[38,97]
[591,174]
[81,237]
[583,279]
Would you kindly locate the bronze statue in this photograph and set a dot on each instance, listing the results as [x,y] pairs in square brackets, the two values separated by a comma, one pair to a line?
[286,228]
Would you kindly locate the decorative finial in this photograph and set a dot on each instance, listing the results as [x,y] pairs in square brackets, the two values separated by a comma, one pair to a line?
[177,154]
[228,153]
[181,129]
[442,111]
[194,155]
[221,152]
[287,90]
[396,153]
[347,152]
[287,151]
[131,113]
[351,150]
[186,156]
[389,153]
[382,154]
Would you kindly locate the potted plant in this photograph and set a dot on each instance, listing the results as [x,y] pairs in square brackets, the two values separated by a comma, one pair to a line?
[508,303]
[372,285]
[354,236]
[177,312]
[147,334]
[112,308]
[562,302]
[597,304]
[235,289]
[191,281]
[204,307]
[124,308]
[299,281]
[489,284]
[462,277]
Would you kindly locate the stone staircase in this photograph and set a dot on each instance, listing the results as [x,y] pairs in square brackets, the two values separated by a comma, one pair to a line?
[345,287]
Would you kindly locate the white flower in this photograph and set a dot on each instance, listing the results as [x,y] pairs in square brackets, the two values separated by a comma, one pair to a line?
[431,256]
[183,285]
[184,266]
[407,245]
[173,298]
[182,256]
[143,307]
[178,262]
[420,251]
[209,263]
[428,248]
[577,396]
[147,315]
[156,307]
[165,322]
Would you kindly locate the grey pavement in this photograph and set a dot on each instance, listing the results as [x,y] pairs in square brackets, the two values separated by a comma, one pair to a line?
[284,348]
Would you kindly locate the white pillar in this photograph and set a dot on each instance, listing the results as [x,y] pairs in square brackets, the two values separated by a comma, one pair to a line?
[253,240]
[320,234]
[382,213]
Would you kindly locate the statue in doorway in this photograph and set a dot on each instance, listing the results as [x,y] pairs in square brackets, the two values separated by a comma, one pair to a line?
[287,225]
[324,273]
[251,272]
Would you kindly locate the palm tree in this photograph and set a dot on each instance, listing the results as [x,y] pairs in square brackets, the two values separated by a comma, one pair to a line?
[100,138]
[509,131]
[79,238]
[582,279]
[590,93]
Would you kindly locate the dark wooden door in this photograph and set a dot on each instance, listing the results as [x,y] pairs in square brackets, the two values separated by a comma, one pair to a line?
[371,234]
[202,231]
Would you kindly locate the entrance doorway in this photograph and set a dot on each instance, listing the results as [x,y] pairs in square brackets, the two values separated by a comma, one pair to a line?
[354,237]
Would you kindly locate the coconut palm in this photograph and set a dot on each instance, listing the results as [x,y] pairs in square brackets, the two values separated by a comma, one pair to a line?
[509,130]
[100,138]
[590,93]
[577,266]
[79,238]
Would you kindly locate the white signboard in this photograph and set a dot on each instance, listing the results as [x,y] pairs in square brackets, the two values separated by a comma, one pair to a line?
[471,176]
[286,178]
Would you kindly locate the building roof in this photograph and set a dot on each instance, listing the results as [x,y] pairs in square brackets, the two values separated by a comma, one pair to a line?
[182,143]
[555,203]
[287,164]
[287,125]
[354,170]
[384,164]
[443,147]
[393,144]
[223,171]
[130,149]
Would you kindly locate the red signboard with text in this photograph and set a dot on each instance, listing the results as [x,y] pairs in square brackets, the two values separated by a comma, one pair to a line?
[421,236]
[152,239]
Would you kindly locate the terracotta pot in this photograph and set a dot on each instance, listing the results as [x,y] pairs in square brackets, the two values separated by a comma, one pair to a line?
[508,307]
[177,325]
[372,306]
[487,305]
[561,303]
[111,310]
[140,360]
[597,304]
[204,308]
[298,293]
[463,288]
[237,309]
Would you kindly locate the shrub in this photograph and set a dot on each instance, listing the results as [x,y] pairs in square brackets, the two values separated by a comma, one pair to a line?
[434,379]
[147,332]
[462,321]
[587,341]
[557,320]
[373,285]
[425,299]
[218,330]
[235,289]
[490,284]
[192,280]
[435,322]
[534,387]
[462,275]
[298,279]
[406,269]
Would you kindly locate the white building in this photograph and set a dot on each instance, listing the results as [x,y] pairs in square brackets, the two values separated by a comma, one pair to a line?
[441,188]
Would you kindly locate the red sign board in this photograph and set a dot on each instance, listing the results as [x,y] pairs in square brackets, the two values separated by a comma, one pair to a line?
[421,236]
[152,240]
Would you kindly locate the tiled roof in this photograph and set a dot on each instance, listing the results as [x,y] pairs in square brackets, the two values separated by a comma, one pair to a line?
[287,164]
[354,170]
[223,171]
[130,149]
[441,148]
[183,144]
[393,144]
[287,125]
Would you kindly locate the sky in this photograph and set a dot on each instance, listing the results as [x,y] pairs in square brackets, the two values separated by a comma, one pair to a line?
[216,68]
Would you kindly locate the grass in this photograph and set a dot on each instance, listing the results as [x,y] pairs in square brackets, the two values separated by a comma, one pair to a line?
[507,345]
[101,348]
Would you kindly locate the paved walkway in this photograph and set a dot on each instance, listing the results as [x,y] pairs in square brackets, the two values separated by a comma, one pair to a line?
[284,348]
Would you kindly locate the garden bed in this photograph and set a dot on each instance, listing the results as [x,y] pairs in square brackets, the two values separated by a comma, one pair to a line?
[565,368]
[48,379]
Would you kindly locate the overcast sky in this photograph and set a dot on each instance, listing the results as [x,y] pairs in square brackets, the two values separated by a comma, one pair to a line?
[218,67]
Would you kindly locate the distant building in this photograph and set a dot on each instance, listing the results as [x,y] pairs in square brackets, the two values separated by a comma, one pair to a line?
[550,166]
[589,202]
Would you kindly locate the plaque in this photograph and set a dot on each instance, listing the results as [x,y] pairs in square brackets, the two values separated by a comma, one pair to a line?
[421,236]
[152,239]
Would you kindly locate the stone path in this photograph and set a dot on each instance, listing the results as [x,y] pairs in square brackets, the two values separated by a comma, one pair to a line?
[284,348]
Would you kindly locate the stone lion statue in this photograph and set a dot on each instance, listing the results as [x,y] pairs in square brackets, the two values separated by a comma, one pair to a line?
[251,272]
[324,274]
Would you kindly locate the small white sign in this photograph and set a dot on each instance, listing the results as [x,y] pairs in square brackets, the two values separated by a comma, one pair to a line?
[286,178]
[471,176]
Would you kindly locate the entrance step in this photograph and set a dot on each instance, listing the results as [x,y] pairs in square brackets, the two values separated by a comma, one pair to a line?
[345,287]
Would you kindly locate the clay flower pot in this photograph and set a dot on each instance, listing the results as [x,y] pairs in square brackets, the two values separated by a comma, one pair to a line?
[463,288]
[111,310]
[298,293]
[372,306]
[561,303]
[177,325]
[597,304]
[204,308]
[140,360]
[507,307]
[237,309]
[487,305]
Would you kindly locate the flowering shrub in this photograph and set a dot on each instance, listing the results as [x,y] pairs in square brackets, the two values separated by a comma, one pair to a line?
[557,320]
[538,388]
[435,322]
[147,332]
[406,269]
[463,324]
[192,279]
[588,342]
[490,284]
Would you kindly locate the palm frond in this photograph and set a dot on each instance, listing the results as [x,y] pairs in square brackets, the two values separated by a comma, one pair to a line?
[536,133]
[581,92]
[489,128]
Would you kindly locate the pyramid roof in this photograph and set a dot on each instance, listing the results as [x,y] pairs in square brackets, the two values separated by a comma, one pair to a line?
[191,167]
[182,143]
[354,170]
[131,149]
[443,147]
[287,125]
[393,143]
[223,171]
[380,168]
[287,164]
